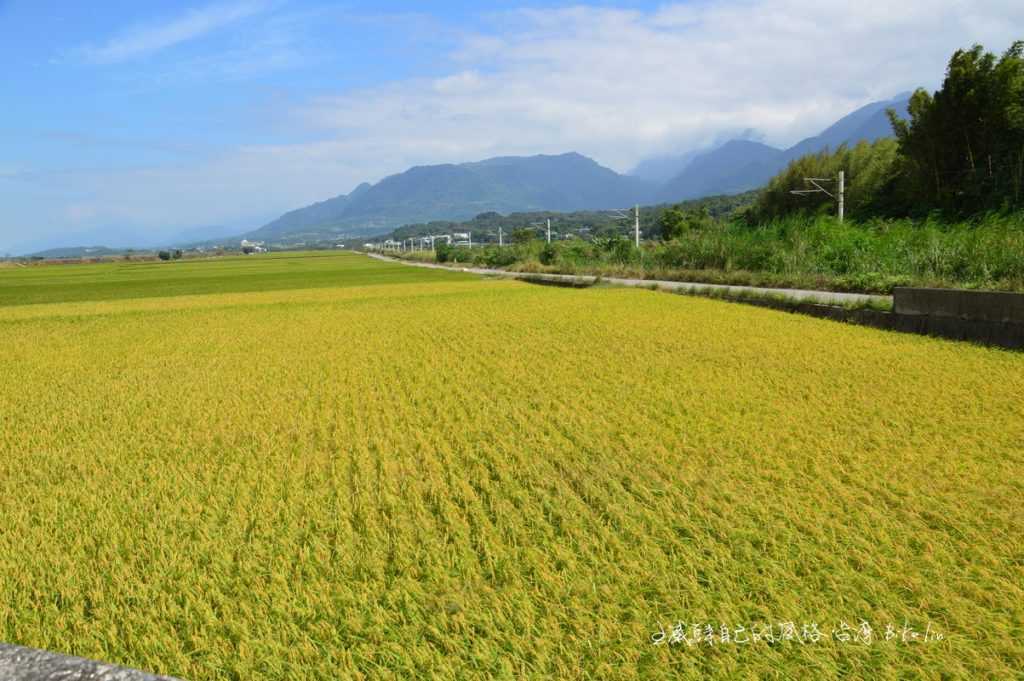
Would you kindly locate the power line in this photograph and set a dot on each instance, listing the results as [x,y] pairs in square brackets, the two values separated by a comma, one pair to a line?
[541,224]
[839,196]
[623,214]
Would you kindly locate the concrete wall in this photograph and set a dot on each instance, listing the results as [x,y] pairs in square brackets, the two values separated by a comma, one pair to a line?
[1008,335]
[989,317]
[990,306]
[27,664]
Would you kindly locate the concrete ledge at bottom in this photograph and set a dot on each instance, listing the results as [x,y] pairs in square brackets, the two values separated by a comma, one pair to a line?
[1009,335]
[991,306]
[18,663]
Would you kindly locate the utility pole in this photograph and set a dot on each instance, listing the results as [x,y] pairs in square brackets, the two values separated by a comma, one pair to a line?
[636,225]
[501,242]
[623,214]
[540,225]
[842,194]
[839,196]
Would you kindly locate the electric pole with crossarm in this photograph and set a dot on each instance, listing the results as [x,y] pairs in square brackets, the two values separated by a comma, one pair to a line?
[839,196]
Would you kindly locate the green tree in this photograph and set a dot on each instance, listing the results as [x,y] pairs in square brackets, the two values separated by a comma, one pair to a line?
[672,223]
[963,146]
[548,254]
[442,251]
[676,221]
[523,235]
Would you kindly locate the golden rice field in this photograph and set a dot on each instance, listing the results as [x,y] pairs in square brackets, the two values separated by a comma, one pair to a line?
[404,476]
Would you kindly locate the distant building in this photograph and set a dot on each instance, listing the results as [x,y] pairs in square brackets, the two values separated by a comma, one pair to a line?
[250,247]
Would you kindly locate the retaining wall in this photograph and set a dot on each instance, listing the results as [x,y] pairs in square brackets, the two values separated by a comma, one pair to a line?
[1002,334]
[990,306]
[990,317]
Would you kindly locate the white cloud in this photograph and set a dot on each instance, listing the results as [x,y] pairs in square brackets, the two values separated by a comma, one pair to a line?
[621,85]
[146,39]
[617,85]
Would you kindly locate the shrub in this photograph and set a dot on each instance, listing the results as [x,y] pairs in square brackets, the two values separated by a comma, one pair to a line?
[494,256]
[548,254]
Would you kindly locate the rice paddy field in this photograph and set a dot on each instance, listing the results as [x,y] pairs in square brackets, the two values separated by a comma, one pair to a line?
[326,467]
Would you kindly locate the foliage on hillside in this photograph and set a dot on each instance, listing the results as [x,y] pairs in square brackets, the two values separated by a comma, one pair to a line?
[870,169]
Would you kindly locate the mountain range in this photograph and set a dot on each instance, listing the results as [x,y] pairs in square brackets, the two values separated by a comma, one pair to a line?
[566,182]
[562,183]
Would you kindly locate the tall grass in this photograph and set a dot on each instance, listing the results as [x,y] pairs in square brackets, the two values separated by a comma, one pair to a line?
[807,251]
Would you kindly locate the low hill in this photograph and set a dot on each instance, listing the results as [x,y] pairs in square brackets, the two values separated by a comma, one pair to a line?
[75,252]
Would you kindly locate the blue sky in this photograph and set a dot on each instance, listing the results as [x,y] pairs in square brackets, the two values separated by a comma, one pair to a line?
[129,121]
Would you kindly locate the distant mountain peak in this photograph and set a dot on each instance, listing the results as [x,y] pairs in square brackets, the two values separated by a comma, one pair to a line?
[745,144]
[740,165]
[506,184]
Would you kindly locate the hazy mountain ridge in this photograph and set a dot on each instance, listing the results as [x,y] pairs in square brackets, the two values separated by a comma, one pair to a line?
[661,169]
[742,165]
[734,167]
[122,239]
[869,122]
